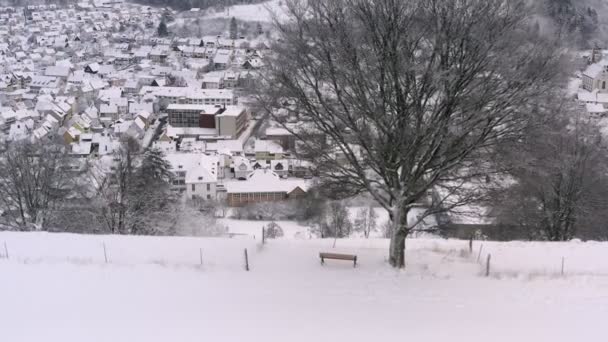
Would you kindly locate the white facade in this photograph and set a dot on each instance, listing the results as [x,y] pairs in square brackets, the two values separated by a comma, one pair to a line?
[595,77]
[195,173]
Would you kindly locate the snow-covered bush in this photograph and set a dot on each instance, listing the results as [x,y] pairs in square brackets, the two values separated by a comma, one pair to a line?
[273,230]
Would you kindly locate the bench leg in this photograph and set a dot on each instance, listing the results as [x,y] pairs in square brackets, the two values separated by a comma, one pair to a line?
[355,262]
[322,261]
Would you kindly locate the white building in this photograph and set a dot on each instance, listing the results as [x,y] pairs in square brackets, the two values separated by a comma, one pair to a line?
[595,77]
[196,174]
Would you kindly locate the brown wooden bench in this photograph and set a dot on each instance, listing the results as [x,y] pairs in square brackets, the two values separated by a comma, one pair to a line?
[337,256]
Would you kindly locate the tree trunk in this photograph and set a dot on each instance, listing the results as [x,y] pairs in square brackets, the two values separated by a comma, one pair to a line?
[397,246]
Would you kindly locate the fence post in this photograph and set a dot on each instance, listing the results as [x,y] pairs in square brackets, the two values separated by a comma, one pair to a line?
[471,244]
[479,254]
[105,253]
[201,255]
[263,235]
[488,265]
[246,261]
[5,250]
[563,266]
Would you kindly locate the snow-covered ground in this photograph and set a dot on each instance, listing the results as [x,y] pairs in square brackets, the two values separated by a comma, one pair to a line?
[263,11]
[57,287]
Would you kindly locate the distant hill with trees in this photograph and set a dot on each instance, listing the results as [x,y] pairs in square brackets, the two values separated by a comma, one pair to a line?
[188,4]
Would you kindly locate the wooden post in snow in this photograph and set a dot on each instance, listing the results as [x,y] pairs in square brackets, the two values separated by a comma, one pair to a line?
[5,250]
[488,265]
[263,235]
[479,254]
[563,260]
[471,244]
[246,261]
[105,253]
[201,255]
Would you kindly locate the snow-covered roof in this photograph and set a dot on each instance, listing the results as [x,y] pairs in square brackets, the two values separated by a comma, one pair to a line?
[265,180]
[267,146]
[595,108]
[199,167]
[592,97]
[595,69]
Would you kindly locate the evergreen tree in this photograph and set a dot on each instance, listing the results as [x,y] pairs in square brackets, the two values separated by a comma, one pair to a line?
[162,30]
[233,28]
[154,167]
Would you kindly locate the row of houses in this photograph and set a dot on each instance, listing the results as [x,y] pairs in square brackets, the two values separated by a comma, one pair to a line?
[222,177]
[95,73]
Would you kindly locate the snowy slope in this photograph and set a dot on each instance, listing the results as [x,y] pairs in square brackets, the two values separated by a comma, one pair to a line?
[255,12]
[57,287]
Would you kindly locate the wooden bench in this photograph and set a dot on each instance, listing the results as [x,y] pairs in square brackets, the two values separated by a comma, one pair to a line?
[337,256]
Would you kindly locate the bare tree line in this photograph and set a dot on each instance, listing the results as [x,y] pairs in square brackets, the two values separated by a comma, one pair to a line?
[128,192]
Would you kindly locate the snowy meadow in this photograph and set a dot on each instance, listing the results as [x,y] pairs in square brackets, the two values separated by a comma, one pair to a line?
[193,289]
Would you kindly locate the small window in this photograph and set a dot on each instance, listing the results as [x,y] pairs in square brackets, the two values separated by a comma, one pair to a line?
[208,187]
[193,187]
[208,197]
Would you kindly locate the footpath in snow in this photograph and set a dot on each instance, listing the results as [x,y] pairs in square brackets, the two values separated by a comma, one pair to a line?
[58,287]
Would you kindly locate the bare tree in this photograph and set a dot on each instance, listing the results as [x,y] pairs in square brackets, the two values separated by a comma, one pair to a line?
[560,181]
[336,222]
[114,185]
[33,181]
[401,97]
[365,221]
[134,194]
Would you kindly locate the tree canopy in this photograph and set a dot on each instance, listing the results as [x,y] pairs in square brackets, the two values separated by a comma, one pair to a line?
[399,98]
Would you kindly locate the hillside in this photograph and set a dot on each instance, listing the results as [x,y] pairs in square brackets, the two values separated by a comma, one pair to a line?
[154,289]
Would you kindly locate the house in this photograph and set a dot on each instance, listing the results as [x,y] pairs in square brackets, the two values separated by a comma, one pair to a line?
[211,81]
[21,129]
[280,167]
[230,80]
[268,150]
[158,55]
[300,168]
[165,146]
[195,174]
[71,135]
[200,183]
[108,113]
[190,144]
[595,77]
[241,167]
[595,109]
[92,68]
[146,117]
[57,71]
[221,60]
[44,82]
[263,185]
[281,136]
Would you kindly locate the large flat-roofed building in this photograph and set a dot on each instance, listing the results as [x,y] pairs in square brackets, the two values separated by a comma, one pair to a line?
[263,185]
[226,122]
[189,95]
[232,122]
[192,115]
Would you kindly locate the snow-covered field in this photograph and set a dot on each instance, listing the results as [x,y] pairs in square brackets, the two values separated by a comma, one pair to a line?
[58,287]
[263,11]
